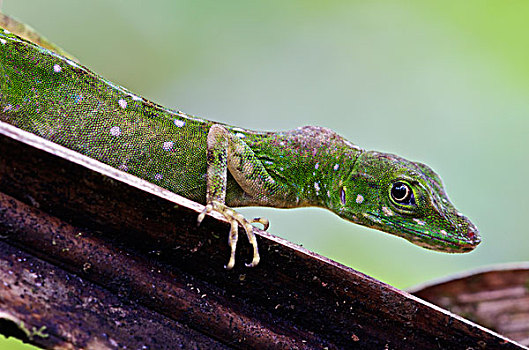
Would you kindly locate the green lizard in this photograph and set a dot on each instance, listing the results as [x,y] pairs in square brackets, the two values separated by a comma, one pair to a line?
[50,95]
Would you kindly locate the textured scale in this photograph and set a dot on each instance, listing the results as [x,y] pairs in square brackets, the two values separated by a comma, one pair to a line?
[222,166]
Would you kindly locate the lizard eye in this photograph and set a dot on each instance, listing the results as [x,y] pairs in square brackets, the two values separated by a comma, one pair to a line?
[401,193]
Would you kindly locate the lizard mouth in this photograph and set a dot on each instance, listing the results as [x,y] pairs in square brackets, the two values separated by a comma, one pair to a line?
[435,240]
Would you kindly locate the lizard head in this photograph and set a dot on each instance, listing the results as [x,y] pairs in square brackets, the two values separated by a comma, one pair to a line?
[404,198]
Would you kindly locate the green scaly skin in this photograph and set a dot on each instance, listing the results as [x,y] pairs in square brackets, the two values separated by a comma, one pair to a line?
[222,166]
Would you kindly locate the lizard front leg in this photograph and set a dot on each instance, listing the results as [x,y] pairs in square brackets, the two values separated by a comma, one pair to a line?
[225,151]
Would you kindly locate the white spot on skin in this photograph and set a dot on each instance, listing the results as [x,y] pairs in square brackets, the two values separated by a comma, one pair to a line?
[115,131]
[336,166]
[3,41]
[7,31]
[329,194]
[359,199]
[57,68]
[317,166]
[122,103]
[317,186]
[158,177]
[281,169]
[387,211]
[420,222]
[239,135]
[443,232]
[179,123]
[167,146]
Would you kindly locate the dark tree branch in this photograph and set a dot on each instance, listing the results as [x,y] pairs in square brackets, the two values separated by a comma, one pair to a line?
[495,297]
[100,257]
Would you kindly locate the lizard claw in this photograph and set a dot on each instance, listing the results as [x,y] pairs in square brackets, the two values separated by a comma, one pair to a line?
[235,219]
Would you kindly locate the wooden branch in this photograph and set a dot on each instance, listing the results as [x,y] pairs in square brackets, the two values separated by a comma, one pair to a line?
[496,297]
[101,258]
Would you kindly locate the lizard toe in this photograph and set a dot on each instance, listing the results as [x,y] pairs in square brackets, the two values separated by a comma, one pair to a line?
[234,218]
[263,221]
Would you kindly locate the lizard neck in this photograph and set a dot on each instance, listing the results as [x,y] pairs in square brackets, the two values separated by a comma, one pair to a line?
[307,163]
[323,182]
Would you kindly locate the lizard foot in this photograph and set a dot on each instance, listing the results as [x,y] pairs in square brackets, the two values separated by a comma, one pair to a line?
[235,219]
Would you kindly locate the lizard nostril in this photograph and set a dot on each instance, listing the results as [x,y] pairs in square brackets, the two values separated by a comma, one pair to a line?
[473,234]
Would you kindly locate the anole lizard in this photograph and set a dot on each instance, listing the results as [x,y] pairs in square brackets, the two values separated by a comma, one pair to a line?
[50,95]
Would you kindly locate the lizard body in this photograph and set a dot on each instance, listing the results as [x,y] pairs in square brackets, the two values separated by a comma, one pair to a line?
[223,166]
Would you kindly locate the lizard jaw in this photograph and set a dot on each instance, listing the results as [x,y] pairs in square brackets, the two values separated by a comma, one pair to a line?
[435,240]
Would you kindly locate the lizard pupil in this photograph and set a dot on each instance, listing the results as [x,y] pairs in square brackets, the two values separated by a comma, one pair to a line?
[401,192]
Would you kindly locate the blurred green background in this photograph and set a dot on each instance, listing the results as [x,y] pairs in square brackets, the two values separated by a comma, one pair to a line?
[442,82]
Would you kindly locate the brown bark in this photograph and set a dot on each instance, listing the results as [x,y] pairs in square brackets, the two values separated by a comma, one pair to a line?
[101,258]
